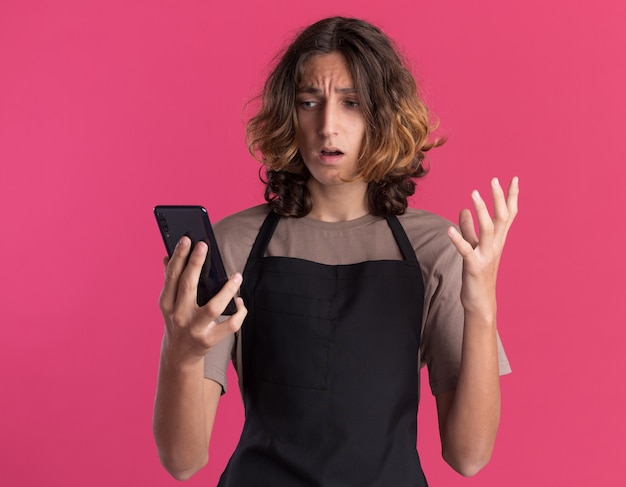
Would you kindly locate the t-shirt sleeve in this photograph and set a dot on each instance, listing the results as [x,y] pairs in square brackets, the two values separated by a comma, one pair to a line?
[235,236]
[216,361]
[442,334]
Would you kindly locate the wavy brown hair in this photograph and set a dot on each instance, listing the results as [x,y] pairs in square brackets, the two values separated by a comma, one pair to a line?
[397,121]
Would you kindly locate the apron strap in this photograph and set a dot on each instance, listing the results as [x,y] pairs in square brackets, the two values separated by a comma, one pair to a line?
[401,239]
[264,236]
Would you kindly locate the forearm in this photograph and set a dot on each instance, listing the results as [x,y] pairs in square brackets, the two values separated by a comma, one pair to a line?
[180,419]
[469,432]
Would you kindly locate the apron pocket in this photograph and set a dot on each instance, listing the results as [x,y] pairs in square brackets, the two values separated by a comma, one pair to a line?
[292,340]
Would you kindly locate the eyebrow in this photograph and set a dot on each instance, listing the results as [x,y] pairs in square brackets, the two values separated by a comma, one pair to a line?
[316,91]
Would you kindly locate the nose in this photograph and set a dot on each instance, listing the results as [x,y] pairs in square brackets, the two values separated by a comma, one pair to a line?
[329,120]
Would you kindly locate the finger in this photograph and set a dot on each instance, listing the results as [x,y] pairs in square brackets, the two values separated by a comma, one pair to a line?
[466,224]
[512,197]
[500,207]
[236,320]
[216,305]
[241,309]
[187,291]
[485,223]
[227,327]
[173,270]
[462,246]
[505,210]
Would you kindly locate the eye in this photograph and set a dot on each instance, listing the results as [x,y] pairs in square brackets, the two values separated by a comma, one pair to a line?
[352,103]
[307,104]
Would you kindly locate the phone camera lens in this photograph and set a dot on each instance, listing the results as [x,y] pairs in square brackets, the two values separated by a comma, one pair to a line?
[163,223]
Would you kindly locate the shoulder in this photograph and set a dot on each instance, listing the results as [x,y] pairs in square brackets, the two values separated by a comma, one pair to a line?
[424,222]
[239,224]
[428,234]
[236,234]
[439,259]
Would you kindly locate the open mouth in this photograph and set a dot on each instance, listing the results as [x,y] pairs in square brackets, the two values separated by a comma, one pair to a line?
[326,152]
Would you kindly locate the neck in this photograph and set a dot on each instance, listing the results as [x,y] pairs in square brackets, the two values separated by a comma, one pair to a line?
[339,203]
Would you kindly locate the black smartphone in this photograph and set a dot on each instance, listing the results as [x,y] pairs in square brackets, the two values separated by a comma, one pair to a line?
[193,221]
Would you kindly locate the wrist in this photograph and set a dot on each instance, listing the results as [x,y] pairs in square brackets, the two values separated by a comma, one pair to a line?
[485,317]
[180,358]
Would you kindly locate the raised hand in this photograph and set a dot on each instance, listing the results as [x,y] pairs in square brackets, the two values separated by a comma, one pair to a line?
[482,252]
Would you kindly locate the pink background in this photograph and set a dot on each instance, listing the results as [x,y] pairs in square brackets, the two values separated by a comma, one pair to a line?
[108,108]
